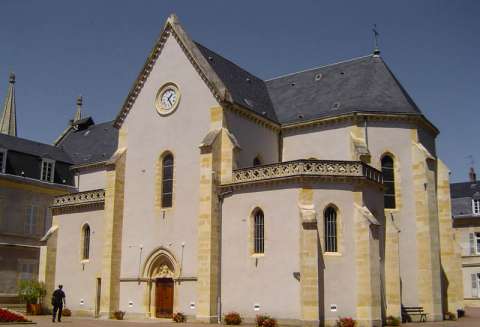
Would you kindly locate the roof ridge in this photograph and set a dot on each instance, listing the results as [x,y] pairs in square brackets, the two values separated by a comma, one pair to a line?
[404,91]
[318,67]
[25,139]
[173,28]
[226,59]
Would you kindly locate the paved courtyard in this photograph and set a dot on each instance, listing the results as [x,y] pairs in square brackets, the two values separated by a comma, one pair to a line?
[471,320]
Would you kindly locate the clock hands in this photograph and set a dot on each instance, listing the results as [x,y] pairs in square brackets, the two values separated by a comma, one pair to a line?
[168,99]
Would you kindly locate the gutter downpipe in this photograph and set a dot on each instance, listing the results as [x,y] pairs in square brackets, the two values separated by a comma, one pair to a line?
[221,196]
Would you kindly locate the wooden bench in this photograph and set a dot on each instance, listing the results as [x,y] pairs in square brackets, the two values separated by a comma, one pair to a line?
[408,312]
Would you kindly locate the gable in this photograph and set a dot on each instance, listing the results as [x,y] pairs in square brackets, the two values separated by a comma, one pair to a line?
[173,28]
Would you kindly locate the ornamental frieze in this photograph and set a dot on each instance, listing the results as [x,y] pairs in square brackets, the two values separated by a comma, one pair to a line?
[298,168]
[79,199]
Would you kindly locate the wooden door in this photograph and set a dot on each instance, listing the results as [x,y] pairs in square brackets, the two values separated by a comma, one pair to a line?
[164,298]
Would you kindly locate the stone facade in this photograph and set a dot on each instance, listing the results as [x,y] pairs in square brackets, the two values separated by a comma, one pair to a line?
[198,255]
[466,229]
[24,218]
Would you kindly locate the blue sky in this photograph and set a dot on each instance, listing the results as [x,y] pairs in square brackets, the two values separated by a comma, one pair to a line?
[60,49]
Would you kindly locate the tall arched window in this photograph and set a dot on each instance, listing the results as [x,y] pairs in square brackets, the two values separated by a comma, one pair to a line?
[330,220]
[258,232]
[86,242]
[388,182]
[167,181]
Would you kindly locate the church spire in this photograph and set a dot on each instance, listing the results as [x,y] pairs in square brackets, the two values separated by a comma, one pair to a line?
[78,113]
[8,119]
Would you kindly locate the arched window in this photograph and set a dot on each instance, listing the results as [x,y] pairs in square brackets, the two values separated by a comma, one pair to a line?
[388,182]
[86,242]
[256,161]
[330,220]
[258,232]
[167,181]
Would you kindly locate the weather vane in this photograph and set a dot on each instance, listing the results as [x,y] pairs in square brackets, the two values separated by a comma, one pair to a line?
[376,50]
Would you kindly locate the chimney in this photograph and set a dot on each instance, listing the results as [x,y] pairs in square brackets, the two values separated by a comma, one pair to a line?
[472,176]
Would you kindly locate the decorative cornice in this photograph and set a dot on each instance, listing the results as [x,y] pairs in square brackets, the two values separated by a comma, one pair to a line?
[35,185]
[90,199]
[87,166]
[359,116]
[252,116]
[305,170]
[147,279]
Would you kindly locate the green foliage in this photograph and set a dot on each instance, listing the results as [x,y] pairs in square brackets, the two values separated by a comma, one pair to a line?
[393,321]
[232,318]
[31,291]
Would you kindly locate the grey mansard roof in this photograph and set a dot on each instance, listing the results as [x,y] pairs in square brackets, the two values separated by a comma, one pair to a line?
[94,143]
[464,189]
[363,84]
[462,195]
[37,149]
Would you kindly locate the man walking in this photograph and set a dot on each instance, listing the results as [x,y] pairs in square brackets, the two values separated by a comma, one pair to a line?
[58,300]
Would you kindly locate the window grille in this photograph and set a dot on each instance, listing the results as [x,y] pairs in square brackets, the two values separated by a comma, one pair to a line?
[31,222]
[27,269]
[476,206]
[258,232]
[388,182]
[47,170]
[475,282]
[330,230]
[167,181]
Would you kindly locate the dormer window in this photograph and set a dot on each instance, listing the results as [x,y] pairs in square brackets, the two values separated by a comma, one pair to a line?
[48,167]
[3,160]
[476,206]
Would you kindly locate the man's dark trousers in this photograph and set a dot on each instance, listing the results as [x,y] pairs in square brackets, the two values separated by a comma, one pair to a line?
[58,307]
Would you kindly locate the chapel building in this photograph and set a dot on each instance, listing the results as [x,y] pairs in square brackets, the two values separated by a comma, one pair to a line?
[307,197]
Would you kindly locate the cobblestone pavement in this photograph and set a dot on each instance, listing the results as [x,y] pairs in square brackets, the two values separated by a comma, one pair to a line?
[472,319]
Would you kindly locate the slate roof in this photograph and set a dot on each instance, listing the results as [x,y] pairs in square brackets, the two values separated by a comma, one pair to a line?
[95,143]
[246,89]
[363,84]
[38,149]
[462,194]
[465,189]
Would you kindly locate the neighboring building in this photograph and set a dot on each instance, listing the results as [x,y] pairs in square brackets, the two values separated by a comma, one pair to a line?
[466,221]
[31,174]
[307,197]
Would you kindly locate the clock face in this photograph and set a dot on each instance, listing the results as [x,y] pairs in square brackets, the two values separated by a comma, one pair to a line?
[167,99]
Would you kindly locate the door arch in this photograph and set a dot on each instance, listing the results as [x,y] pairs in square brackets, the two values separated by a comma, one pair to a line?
[161,270]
